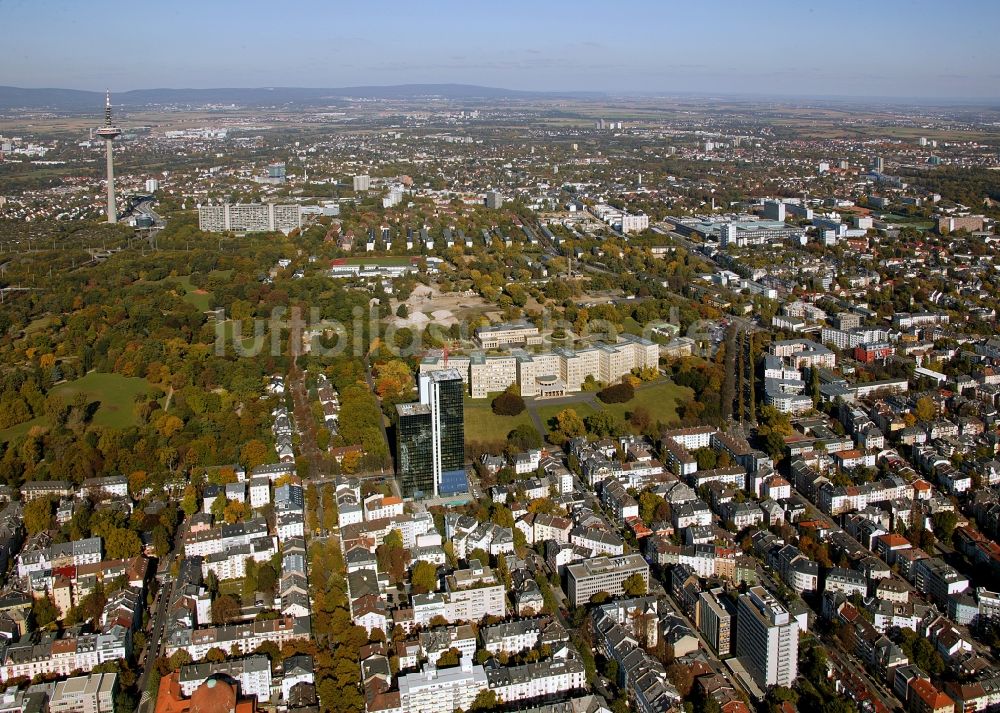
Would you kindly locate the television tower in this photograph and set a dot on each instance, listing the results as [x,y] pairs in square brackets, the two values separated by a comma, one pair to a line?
[109,132]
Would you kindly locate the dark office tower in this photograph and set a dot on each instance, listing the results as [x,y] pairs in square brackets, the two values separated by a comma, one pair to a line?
[414,450]
[443,392]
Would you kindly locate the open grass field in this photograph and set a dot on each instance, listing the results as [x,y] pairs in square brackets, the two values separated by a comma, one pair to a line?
[233,587]
[481,424]
[38,325]
[660,398]
[199,298]
[548,413]
[115,393]
[632,327]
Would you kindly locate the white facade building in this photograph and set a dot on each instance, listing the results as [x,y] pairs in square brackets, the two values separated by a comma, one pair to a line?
[767,639]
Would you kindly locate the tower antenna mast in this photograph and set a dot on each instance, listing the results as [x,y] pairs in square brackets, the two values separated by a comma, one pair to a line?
[109,132]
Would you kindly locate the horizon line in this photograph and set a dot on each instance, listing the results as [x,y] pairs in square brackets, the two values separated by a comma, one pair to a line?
[609,93]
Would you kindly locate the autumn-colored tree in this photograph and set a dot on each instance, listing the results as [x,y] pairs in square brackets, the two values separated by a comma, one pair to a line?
[394,380]
[215,655]
[122,543]
[38,515]
[640,419]
[44,611]
[218,508]
[235,511]
[168,425]
[137,481]
[682,678]
[634,585]
[423,577]
[351,461]
[485,700]
[189,503]
[179,658]
[569,423]
[501,515]
[391,556]
[543,506]
[449,658]
[652,507]
[925,410]
[225,609]
[254,453]
[222,476]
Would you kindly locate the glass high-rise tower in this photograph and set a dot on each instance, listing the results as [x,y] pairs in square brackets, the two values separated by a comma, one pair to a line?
[444,391]
[413,450]
[433,433]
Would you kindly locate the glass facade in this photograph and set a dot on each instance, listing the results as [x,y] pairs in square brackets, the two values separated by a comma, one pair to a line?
[414,450]
[451,428]
[430,438]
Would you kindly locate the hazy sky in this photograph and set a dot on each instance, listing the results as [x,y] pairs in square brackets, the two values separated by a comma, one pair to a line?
[911,48]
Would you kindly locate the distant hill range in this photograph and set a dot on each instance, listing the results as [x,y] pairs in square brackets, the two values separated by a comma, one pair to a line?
[75,100]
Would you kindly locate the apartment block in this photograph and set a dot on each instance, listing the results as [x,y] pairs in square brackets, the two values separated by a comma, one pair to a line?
[602,574]
[85,694]
[252,672]
[508,334]
[473,593]
[767,639]
[715,617]
[547,374]
[249,218]
[435,690]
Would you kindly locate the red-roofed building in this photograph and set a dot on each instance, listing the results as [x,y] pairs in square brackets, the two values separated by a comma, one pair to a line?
[820,529]
[867,353]
[926,698]
[213,696]
[968,697]
[887,546]
[857,690]
[388,701]
[638,528]
[849,459]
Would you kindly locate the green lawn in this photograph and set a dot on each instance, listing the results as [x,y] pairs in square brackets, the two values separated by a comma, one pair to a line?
[15,432]
[115,393]
[233,587]
[660,398]
[631,326]
[481,424]
[199,298]
[246,334]
[38,325]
